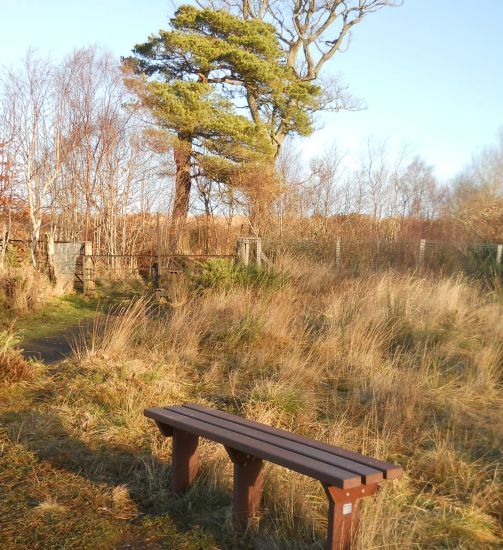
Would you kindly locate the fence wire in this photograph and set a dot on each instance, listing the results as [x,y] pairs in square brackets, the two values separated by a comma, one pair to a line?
[362,255]
[352,256]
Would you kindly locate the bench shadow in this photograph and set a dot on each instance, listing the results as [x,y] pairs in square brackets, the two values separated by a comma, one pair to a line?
[205,508]
[147,479]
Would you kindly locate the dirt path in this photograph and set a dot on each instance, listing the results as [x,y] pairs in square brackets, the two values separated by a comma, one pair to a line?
[56,347]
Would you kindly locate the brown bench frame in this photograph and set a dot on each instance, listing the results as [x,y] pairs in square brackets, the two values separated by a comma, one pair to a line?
[344,489]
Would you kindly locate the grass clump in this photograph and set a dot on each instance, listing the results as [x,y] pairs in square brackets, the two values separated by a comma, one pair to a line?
[113,333]
[23,289]
[13,366]
[225,274]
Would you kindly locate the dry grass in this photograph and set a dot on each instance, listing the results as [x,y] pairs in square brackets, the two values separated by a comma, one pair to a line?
[112,333]
[402,367]
[13,366]
[23,289]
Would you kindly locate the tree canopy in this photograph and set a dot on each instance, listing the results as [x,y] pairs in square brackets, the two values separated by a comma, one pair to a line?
[197,78]
[220,88]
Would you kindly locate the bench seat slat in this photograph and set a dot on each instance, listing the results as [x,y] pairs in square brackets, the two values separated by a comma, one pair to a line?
[389,470]
[326,473]
[369,475]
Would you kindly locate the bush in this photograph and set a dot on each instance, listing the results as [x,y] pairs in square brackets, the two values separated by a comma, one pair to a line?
[13,366]
[24,289]
[481,262]
[222,273]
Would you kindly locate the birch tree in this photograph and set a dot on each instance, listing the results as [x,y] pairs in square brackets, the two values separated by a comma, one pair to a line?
[37,93]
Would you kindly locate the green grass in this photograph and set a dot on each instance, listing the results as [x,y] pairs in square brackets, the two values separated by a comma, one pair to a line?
[223,273]
[60,492]
[56,316]
[69,510]
[63,312]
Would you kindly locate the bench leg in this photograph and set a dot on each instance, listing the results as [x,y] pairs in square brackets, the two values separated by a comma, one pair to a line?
[344,514]
[185,462]
[248,481]
[167,431]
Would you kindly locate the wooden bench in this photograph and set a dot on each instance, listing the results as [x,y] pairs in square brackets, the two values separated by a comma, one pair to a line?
[346,476]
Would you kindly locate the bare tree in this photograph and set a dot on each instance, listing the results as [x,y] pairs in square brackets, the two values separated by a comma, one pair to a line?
[77,155]
[111,171]
[375,173]
[37,94]
[476,198]
[418,186]
[327,174]
[291,203]
[311,31]
[8,198]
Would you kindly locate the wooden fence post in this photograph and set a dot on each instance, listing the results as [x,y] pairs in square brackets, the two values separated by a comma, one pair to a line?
[246,251]
[258,252]
[338,253]
[87,266]
[243,250]
[499,253]
[157,273]
[239,250]
[4,239]
[422,248]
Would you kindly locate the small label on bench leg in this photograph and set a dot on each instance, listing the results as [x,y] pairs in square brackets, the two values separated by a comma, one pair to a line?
[347,508]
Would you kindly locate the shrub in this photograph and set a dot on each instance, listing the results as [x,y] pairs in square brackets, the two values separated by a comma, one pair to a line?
[222,273]
[13,366]
[481,262]
[24,289]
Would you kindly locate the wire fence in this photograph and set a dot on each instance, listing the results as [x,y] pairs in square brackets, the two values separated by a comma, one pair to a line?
[149,267]
[71,260]
[349,256]
[369,255]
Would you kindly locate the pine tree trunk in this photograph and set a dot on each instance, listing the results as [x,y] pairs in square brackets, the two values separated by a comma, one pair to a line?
[183,182]
[261,201]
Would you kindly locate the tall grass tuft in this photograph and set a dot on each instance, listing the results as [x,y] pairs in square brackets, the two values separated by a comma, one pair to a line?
[13,366]
[114,333]
[23,289]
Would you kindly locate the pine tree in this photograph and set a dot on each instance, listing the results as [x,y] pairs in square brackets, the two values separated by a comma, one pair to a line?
[196,77]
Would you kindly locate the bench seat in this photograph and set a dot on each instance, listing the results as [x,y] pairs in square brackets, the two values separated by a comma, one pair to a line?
[345,475]
[327,463]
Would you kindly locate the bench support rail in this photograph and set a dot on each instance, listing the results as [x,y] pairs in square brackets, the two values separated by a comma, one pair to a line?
[344,514]
[185,464]
[248,483]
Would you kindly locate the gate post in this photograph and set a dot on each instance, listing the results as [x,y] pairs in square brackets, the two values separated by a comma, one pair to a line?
[4,239]
[243,250]
[338,253]
[87,267]
[258,252]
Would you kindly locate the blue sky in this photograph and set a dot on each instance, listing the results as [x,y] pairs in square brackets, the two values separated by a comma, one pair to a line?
[430,72]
